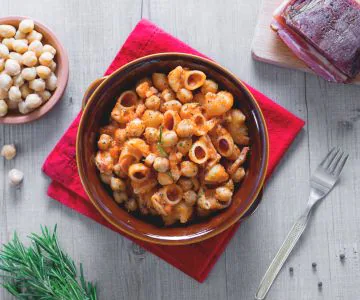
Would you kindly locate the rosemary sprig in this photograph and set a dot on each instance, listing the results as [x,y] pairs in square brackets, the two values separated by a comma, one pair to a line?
[159,144]
[42,270]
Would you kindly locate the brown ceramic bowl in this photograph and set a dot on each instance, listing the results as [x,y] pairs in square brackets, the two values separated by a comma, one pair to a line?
[101,100]
[62,72]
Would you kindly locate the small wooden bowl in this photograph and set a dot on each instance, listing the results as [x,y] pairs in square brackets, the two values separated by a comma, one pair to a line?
[102,95]
[62,73]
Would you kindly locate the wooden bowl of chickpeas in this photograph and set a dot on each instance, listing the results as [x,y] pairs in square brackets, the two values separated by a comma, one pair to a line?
[172,148]
[34,70]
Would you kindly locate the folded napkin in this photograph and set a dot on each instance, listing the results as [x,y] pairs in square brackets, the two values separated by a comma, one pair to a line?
[196,260]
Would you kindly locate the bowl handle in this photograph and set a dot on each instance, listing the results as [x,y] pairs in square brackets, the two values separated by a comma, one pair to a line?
[90,90]
[254,206]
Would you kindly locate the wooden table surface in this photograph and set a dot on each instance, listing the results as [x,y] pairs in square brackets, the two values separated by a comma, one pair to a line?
[92,32]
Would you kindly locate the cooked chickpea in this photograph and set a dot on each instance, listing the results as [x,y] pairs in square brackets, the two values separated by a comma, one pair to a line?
[33,101]
[45,95]
[190,197]
[16,56]
[171,105]
[131,205]
[29,59]
[184,146]
[8,42]
[8,151]
[34,35]
[18,80]
[168,95]
[23,109]
[46,58]
[164,178]
[43,72]
[7,31]
[151,135]
[189,169]
[105,178]
[104,141]
[20,46]
[120,135]
[4,51]
[120,197]
[12,67]
[49,48]
[209,86]
[15,94]
[160,81]
[29,73]
[26,25]
[185,128]
[135,128]
[37,85]
[238,175]
[184,95]
[153,102]
[223,194]
[169,138]
[161,164]
[3,108]
[149,160]
[5,81]
[25,90]
[185,184]
[117,184]
[51,82]
[37,47]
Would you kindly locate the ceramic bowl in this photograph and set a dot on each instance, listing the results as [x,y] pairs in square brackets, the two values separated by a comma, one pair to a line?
[62,72]
[101,97]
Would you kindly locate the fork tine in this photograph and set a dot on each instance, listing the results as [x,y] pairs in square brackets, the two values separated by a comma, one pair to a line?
[340,166]
[326,157]
[335,161]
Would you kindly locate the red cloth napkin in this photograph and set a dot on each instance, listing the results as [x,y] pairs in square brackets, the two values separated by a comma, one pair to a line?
[196,260]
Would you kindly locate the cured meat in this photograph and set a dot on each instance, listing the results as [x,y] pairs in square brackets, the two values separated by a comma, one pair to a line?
[325,34]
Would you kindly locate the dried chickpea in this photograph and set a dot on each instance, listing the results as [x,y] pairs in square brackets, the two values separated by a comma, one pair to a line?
[151,135]
[38,85]
[104,141]
[131,205]
[8,151]
[184,146]
[37,47]
[8,42]
[43,72]
[15,94]
[120,197]
[2,64]
[12,67]
[25,90]
[3,108]
[46,58]
[16,56]
[135,128]
[23,108]
[33,101]
[189,169]
[184,95]
[29,59]
[15,176]
[161,164]
[20,35]
[153,102]
[117,184]
[34,35]
[5,81]
[20,46]
[169,138]
[28,73]
[52,66]
[7,31]
[26,26]
[190,197]
[49,48]
[45,95]
[18,80]
[12,104]
[164,178]
[4,51]
[51,82]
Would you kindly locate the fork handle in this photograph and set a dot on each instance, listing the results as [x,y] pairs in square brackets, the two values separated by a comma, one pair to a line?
[283,253]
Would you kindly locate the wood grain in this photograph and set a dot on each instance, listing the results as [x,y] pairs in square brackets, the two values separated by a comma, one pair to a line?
[92,32]
[268,47]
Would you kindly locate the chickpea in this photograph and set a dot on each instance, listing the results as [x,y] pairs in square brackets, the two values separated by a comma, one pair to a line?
[2,64]
[105,178]
[3,108]
[43,72]
[52,66]
[168,95]
[20,35]
[135,128]
[18,80]
[104,142]
[20,46]
[34,35]
[16,56]
[190,197]
[120,135]
[238,175]
[185,128]
[184,95]
[33,101]
[28,73]
[120,197]
[46,58]
[8,42]
[117,184]
[8,151]
[7,31]
[184,146]
[49,48]
[169,138]
[153,102]
[37,47]
[15,94]
[164,178]
[45,95]
[38,85]
[26,26]
[131,205]
[149,160]
[23,109]
[12,104]
[223,194]
[189,169]
[185,184]
[51,82]
[171,105]
[12,67]
[5,81]
[160,81]
[4,51]
[29,59]
[25,90]
[15,176]
[209,86]
[151,135]
[3,93]
[161,164]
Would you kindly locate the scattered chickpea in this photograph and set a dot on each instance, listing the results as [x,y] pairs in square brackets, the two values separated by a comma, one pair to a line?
[8,151]
[15,176]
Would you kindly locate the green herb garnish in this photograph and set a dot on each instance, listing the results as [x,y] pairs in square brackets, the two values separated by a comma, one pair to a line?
[42,270]
[159,144]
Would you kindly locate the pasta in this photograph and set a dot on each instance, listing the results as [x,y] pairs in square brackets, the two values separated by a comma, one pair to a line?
[174,147]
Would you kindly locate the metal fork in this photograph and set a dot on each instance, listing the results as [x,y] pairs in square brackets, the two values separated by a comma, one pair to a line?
[321,183]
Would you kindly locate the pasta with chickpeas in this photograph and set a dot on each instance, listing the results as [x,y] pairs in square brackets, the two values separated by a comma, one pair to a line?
[175,146]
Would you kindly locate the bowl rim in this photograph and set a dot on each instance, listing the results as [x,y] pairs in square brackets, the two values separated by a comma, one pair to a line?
[63,79]
[158,240]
